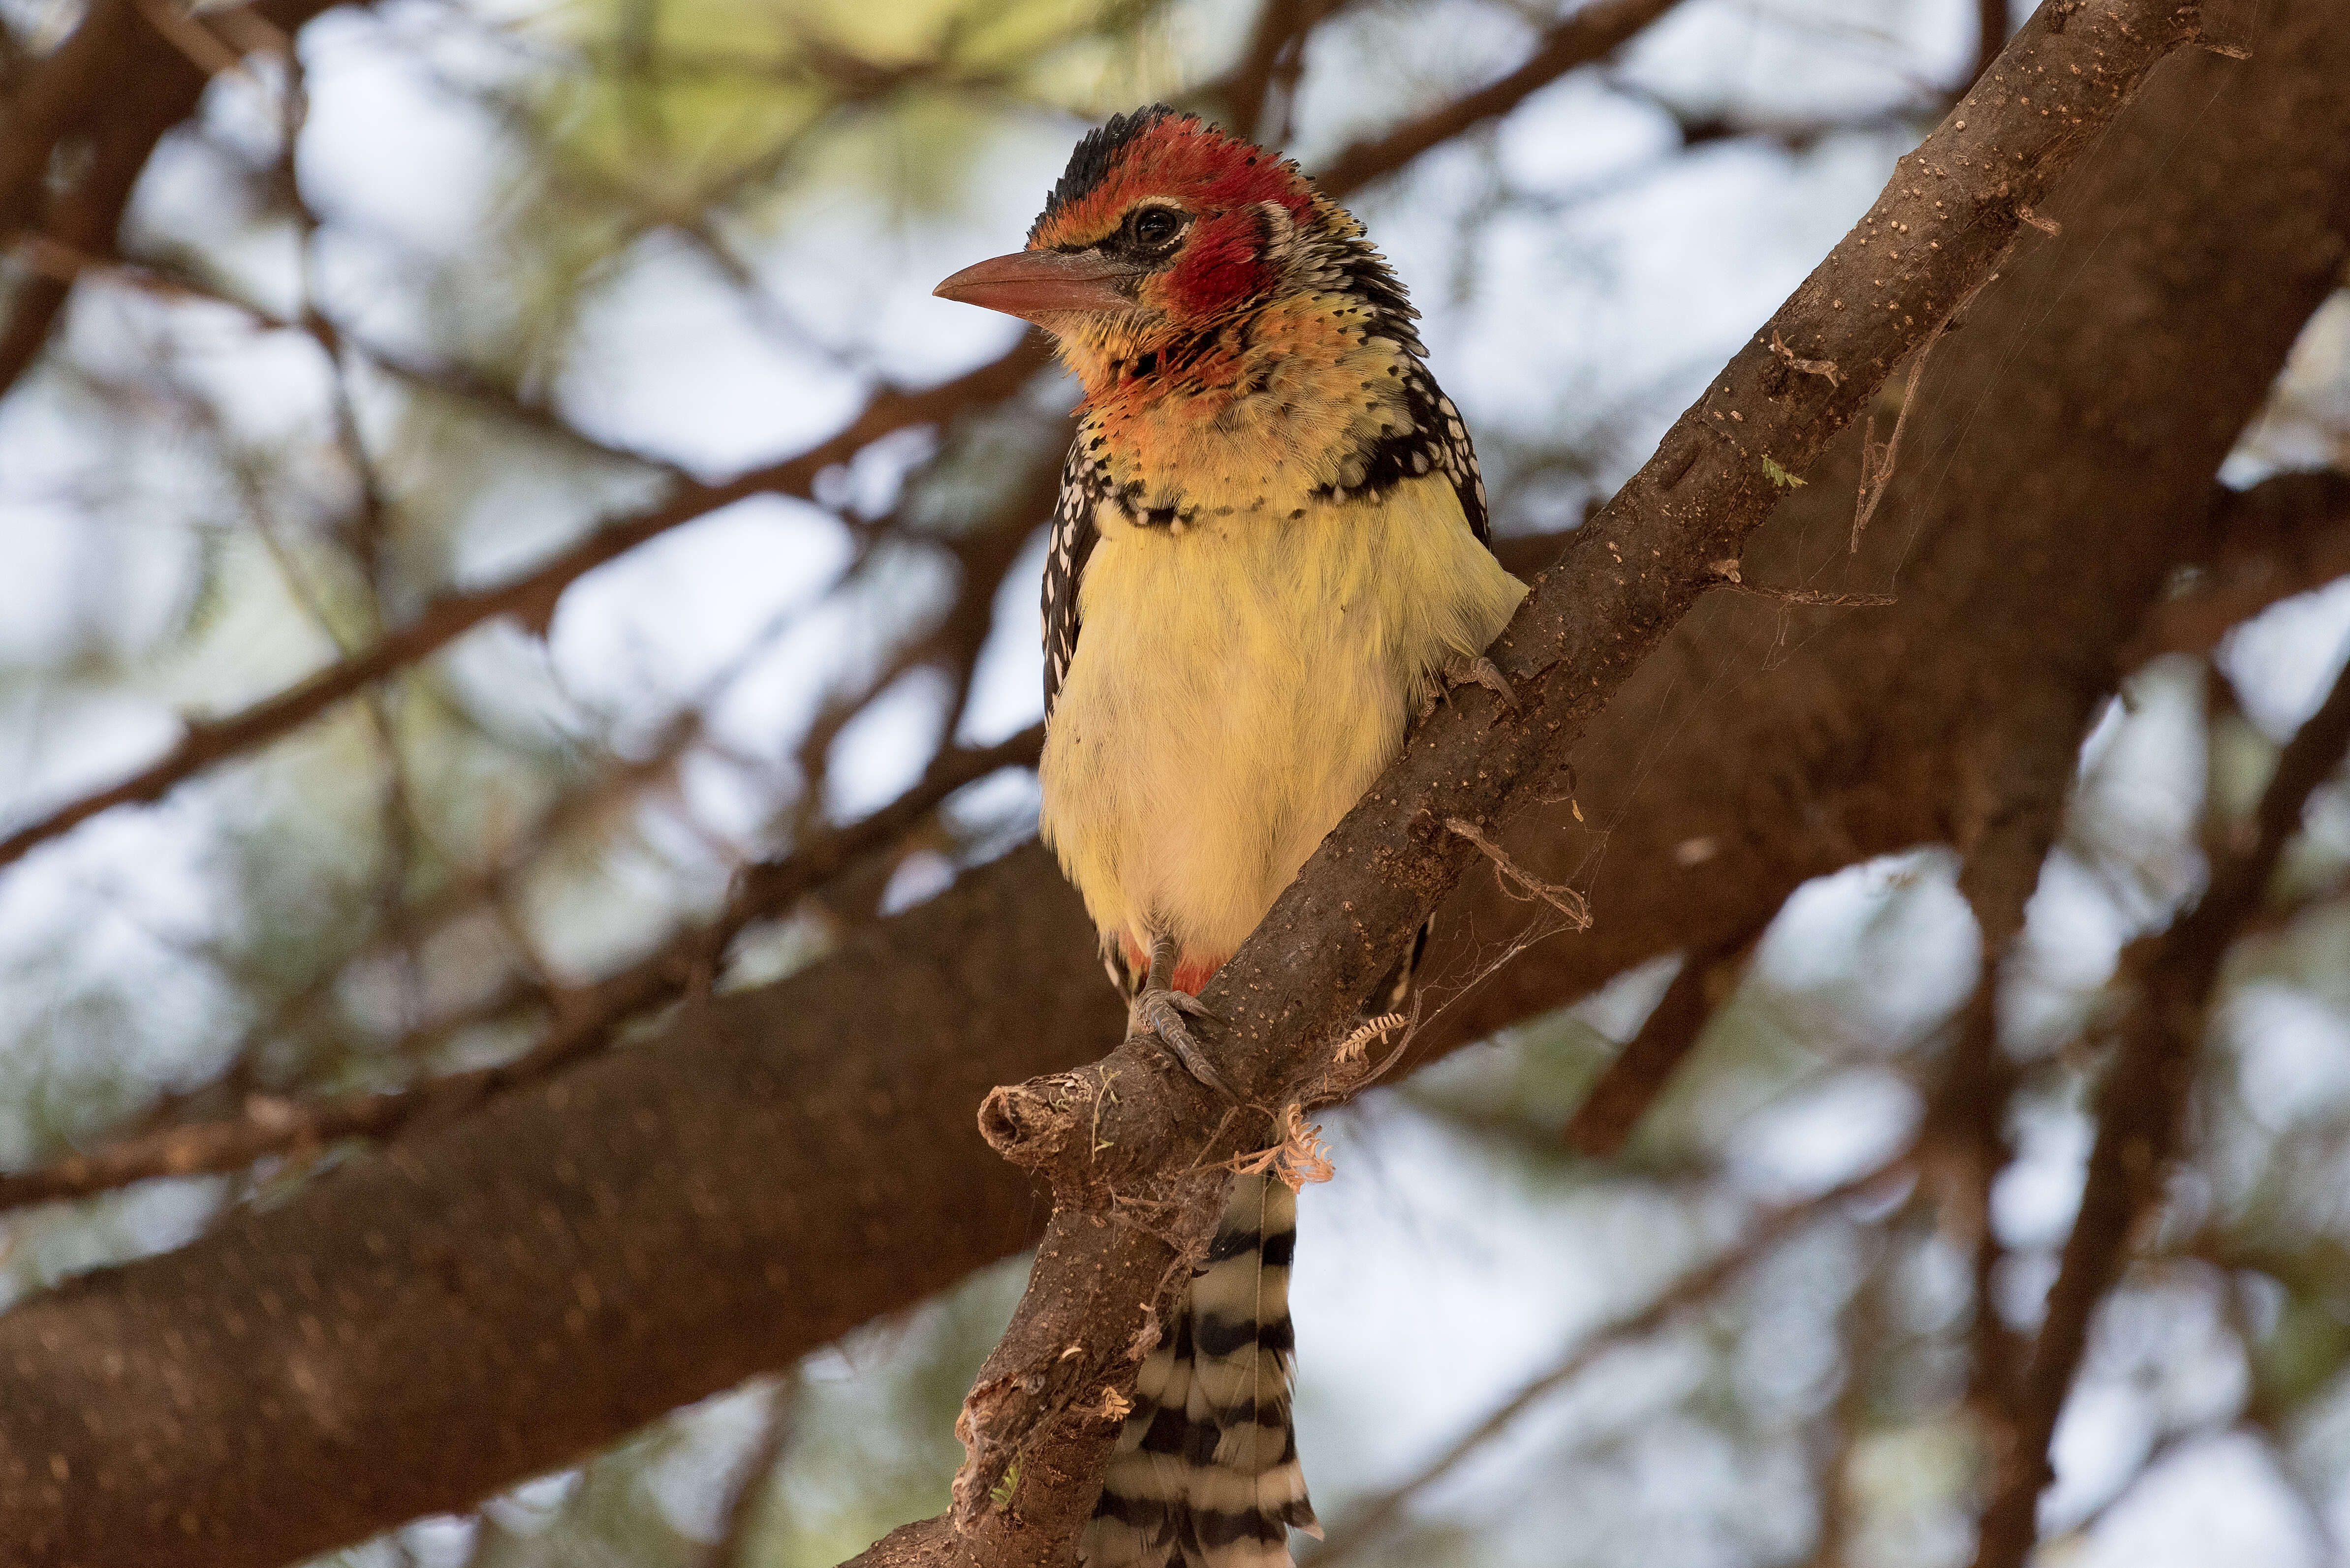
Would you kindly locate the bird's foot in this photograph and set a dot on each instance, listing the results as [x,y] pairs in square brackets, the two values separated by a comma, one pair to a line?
[1464,671]
[1156,1013]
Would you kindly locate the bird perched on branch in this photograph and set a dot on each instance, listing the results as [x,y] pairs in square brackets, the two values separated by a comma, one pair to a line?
[1269,554]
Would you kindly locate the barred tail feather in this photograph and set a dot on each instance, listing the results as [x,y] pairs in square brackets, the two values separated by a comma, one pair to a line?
[1205,1473]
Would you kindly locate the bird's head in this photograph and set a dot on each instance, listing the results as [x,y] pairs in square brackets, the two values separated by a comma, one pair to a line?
[1162,228]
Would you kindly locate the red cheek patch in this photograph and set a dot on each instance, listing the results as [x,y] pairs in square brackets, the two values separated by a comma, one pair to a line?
[1219,267]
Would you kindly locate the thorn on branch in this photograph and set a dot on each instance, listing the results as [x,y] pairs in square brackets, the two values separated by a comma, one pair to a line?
[1564,900]
[1809,366]
[1355,1070]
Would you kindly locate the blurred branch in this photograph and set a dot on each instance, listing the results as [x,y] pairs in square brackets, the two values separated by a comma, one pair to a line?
[1993,18]
[2139,1107]
[952,645]
[165,280]
[1971,1111]
[1862,1331]
[1637,1073]
[530,598]
[1157,1146]
[1582,37]
[738,1532]
[2285,535]
[2017,812]
[1258,95]
[1373,1516]
[1797,135]
[584,1019]
[110,93]
[613,787]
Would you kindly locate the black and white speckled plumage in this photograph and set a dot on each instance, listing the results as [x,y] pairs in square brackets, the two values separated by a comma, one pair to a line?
[1085,485]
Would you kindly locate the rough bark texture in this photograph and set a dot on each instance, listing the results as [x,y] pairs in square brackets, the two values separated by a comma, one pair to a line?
[413,1332]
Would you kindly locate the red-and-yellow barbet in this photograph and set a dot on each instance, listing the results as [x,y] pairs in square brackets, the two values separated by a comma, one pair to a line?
[1269,555]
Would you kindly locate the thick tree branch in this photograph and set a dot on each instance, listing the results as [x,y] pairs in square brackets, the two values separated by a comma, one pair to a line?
[709,1179]
[2141,1104]
[2284,537]
[1134,1168]
[1782,744]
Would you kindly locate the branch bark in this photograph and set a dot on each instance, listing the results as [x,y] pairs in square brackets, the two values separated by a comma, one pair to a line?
[444,1278]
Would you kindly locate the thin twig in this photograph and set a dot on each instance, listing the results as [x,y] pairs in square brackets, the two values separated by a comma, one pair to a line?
[1815,597]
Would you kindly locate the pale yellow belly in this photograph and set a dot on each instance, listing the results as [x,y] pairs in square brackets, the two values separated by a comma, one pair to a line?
[1236,688]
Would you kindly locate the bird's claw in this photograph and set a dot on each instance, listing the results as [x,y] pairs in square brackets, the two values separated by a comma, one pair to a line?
[1463,671]
[1158,1013]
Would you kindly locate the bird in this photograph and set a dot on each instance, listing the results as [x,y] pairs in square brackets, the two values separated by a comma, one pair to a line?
[1269,557]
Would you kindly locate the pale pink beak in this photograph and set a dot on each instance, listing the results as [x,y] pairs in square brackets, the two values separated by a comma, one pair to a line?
[1034,284]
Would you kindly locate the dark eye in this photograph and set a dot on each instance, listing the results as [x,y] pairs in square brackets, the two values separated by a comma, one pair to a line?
[1154,226]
